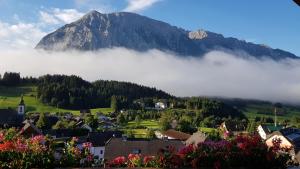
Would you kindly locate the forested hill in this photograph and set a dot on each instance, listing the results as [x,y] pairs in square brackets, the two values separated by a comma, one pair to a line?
[73,92]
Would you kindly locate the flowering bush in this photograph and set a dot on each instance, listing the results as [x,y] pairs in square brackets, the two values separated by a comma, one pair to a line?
[37,152]
[240,152]
[17,152]
[73,156]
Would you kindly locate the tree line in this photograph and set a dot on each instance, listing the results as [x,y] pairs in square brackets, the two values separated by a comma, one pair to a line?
[73,92]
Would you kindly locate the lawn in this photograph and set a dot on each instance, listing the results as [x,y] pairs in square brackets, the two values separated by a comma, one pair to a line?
[141,133]
[151,124]
[207,130]
[10,98]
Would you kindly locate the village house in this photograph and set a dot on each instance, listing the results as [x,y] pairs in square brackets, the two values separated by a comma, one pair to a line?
[233,127]
[99,139]
[172,134]
[265,130]
[161,105]
[13,118]
[288,138]
[196,138]
[116,147]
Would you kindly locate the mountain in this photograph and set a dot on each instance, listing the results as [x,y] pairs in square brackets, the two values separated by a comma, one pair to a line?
[95,31]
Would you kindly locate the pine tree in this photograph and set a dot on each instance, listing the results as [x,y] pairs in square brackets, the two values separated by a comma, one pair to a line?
[42,121]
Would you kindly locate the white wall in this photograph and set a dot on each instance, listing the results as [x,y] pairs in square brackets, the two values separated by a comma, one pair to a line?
[284,142]
[261,132]
[98,151]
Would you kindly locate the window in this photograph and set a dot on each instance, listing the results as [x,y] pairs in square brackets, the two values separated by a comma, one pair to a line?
[101,151]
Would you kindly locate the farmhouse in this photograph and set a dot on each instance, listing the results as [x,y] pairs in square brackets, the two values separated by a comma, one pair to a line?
[265,130]
[98,140]
[233,127]
[288,138]
[116,147]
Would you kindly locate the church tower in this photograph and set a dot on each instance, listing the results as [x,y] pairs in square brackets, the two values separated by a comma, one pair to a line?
[21,107]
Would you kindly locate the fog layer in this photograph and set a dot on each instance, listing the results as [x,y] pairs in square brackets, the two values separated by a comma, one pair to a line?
[215,74]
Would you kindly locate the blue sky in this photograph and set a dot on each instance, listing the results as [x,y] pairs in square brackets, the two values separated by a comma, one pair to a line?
[273,23]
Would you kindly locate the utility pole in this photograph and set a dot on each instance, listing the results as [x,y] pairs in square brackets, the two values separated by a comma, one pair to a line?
[275,112]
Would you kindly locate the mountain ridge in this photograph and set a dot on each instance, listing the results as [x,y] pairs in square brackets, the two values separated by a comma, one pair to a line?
[129,30]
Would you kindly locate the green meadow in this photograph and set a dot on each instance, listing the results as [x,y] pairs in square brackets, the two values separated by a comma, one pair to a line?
[10,98]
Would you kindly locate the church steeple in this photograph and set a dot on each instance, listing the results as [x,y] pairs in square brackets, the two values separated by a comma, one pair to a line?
[21,107]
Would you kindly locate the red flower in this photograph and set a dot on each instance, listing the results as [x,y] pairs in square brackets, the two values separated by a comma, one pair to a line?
[187,150]
[119,161]
[148,159]
[7,146]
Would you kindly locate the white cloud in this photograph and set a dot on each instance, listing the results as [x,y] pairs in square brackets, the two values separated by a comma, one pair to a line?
[216,74]
[102,6]
[48,18]
[26,35]
[139,5]
[60,16]
[20,35]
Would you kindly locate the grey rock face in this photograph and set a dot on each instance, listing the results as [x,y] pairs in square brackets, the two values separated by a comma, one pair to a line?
[95,31]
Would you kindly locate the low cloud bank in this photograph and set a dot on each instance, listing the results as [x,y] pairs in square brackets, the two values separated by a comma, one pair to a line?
[215,74]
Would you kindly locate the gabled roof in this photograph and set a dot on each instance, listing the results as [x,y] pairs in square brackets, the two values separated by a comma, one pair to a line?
[196,138]
[60,133]
[271,128]
[122,147]
[176,134]
[233,126]
[30,130]
[10,117]
[291,134]
[98,139]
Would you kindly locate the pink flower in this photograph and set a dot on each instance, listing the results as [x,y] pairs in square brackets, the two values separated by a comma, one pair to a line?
[1,137]
[38,139]
[133,156]
[21,146]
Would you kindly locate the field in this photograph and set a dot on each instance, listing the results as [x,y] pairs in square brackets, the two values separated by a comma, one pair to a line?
[266,110]
[141,133]
[10,98]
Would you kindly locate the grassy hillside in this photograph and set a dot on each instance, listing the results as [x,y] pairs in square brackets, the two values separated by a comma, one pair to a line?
[10,97]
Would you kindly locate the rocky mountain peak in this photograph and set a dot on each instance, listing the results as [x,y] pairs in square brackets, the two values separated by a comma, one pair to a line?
[96,31]
[199,34]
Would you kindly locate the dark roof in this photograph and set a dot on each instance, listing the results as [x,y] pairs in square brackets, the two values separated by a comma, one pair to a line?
[100,138]
[271,128]
[59,133]
[233,126]
[176,134]
[10,117]
[122,147]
